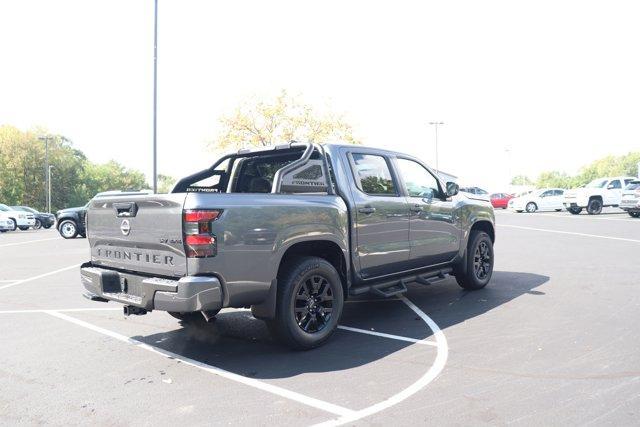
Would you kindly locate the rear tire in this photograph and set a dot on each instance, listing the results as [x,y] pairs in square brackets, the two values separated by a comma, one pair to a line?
[575,211]
[558,210]
[47,227]
[634,214]
[531,207]
[37,225]
[15,225]
[594,207]
[23,228]
[68,229]
[309,303]
[477,267]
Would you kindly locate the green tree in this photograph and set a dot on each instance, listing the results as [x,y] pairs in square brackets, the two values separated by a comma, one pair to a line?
[74,179]
[521,180]
[625,165]
[280,120]
[165,183]
[555,179]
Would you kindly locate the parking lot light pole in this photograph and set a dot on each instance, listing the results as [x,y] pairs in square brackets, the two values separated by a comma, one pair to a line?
[47,171]
[155,95]
[436,124]
[49,193]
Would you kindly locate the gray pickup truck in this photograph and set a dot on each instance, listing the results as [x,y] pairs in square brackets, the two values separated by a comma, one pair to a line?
[290,231]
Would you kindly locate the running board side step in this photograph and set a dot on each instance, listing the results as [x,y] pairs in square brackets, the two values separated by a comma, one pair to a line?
[395,287]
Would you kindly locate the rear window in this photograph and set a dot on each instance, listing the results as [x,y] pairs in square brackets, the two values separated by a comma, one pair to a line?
[373,175]
[633,185]
[256,174]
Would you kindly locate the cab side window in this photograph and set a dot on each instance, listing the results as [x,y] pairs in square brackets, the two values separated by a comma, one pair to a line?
[614,184]
[373,175]
[418,181]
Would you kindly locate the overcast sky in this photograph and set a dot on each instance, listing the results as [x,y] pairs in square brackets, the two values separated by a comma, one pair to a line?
[556,82]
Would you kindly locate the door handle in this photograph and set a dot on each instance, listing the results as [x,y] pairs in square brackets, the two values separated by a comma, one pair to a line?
[416,208]
[367,210]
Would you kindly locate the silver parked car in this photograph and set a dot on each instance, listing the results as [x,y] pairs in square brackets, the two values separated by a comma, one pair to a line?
[630,201]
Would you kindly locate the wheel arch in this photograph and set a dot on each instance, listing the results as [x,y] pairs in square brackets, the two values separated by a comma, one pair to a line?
[333,252]
[486,226]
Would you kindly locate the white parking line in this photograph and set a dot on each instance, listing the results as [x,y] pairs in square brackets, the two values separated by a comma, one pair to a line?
[64,310]
[29,241]
[430,375]
[30,279]
[586,217]
[570,233]
[345,415]
[288,394]
[390,336]
[568,216]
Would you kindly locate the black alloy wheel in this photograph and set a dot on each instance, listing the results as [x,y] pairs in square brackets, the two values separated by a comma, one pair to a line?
[482,261]
[313,304]
[474,271]
[309,302]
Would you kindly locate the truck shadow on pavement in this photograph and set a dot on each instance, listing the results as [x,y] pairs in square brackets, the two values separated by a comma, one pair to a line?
[239,343]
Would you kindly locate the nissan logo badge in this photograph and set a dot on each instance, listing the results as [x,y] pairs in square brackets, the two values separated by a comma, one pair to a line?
[125,227]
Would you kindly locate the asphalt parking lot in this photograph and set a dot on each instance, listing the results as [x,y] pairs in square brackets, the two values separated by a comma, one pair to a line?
[552,340]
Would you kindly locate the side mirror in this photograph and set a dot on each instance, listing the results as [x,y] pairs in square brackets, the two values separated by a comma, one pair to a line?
[452,189]
[610,187]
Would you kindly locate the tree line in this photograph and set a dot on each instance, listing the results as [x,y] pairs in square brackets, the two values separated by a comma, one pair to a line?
[75,179]
[624,165]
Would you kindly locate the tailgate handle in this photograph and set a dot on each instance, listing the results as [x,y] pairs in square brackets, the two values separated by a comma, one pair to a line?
[128,209]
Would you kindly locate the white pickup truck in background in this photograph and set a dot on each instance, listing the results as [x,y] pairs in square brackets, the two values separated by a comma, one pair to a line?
[595,195]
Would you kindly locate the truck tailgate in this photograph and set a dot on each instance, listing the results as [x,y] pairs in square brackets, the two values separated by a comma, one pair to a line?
[138,233]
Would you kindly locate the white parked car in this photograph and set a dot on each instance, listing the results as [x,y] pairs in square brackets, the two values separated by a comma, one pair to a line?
[630,202]
[20,219]
[6,224]
[546,199]
[597,194]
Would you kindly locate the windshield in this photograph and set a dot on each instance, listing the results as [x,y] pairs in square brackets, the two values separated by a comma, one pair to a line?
[4,208]
[597,183]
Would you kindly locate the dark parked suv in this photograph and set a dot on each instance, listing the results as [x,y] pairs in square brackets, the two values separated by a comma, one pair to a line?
[45,220]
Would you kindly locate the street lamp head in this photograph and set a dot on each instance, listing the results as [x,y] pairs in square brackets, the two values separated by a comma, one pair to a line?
[436,123]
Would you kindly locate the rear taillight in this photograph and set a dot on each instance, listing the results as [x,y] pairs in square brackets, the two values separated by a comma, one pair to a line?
[199,241]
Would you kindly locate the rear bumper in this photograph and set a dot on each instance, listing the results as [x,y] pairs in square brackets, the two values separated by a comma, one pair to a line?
[188,294]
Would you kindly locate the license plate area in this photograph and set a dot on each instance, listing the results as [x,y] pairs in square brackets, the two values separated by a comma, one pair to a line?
[122,287]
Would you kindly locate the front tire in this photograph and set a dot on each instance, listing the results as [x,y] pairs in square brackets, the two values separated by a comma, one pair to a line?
[575,211]
[68,229]
[38,225]
[634,214]
[15,225]
[477,269]
[594,207]
[23,228]
[531,207]
[309,303]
